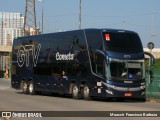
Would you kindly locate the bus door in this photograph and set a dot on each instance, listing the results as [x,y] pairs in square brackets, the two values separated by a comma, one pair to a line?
[59,77]
[99,70]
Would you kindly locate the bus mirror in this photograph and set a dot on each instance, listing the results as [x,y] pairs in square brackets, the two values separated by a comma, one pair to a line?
[151,75]
[151,62]
[151,57]
[100,52]
[107,59]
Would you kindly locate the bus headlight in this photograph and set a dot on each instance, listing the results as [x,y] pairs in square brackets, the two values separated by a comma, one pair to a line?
[143,93]
[143,87]
[109,92]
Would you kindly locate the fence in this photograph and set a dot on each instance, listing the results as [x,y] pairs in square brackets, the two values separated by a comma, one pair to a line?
[153,84]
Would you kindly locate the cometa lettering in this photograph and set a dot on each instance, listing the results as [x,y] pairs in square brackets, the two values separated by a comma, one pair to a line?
[68,56]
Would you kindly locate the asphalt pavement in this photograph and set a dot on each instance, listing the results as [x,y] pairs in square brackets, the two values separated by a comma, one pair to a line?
[15,100]
[5,83]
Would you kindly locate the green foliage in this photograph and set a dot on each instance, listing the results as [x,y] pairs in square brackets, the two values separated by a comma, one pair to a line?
[156,64]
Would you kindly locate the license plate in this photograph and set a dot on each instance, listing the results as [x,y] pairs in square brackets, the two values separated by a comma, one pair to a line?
[128,94]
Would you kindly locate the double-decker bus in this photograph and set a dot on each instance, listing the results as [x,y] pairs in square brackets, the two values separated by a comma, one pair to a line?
[85,63]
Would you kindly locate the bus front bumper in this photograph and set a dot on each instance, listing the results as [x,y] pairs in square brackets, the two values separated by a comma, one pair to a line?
[127,92]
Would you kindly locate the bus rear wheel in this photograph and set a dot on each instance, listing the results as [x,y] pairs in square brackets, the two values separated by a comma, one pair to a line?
[25,87]
[86,93]
[31,88]
[75,92]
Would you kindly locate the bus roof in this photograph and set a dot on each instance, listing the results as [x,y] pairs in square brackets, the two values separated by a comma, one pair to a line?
[88,29]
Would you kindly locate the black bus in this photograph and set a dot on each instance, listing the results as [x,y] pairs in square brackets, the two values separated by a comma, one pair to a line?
[85,63]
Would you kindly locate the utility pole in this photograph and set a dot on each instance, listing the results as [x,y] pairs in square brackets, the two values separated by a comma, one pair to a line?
[80,14]
[42,14]
[30,26]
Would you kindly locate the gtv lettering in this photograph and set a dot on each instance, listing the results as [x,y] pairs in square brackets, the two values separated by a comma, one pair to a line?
[23,54]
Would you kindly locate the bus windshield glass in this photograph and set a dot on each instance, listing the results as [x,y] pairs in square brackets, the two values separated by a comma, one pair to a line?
[128,70]
[122,42]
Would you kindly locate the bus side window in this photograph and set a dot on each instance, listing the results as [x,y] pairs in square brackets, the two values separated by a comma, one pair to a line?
[99,65]
[81,70]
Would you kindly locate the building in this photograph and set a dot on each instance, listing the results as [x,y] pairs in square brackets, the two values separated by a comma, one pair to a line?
[155,52]
[11,26]
[5,61]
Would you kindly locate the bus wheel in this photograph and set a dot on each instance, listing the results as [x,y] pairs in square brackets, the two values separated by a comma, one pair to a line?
[31,88]
[25,88]
[75,92]
[86,94]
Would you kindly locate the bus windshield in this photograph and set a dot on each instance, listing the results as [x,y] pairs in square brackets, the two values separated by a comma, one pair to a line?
[122,42]
[130,70]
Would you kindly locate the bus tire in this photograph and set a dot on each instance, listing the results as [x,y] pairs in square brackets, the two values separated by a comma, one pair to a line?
[86,92]
[75,92]
[25,87]
[31,88]
[142,99]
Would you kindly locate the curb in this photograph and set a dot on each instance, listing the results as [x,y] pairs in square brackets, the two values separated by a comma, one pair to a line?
[4,79]
[152,100]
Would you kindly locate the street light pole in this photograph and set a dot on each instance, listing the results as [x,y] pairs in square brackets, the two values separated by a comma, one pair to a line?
[42,15]
[80,13]
[152,22]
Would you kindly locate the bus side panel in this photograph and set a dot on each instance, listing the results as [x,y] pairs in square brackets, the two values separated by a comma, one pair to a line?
[53,72]
[17,71]
[48,70]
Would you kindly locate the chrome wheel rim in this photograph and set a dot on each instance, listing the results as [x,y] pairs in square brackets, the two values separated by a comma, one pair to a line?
[75,91]
[31,88]
[86,91]
[25,86]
